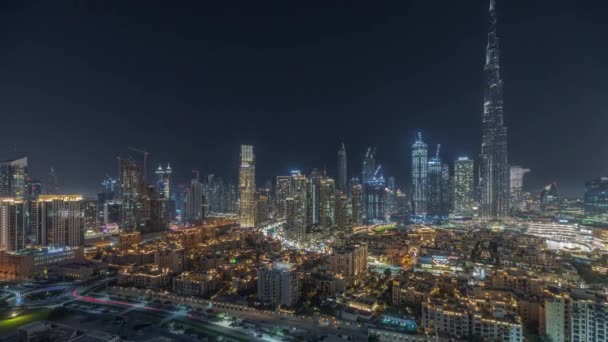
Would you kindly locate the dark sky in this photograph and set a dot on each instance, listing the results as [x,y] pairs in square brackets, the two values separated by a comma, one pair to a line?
[80,81]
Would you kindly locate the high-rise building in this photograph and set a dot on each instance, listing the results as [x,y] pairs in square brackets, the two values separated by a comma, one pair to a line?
[282,191]
[342,170]
[349,262]
[295,220]
[357,204]
[313,194]
[13,224]
[13,175]
[463,187]
[596,201]
[419,177]
[494,164]
[163,182]
[369,165]
[327,202]
[193,200]
[343,212]
[52,185]
[278,285]
[516,178]
[132,185]
[438,206]
[90,215]
[549,198]
[375,197]
[60,220]
[247,187]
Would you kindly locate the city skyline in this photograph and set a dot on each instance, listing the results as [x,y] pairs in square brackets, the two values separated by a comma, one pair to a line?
[402,91]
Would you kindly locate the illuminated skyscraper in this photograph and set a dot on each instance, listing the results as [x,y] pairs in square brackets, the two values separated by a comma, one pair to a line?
[163,182]
[33,189]
[282,191]
[313,194]
[295,219]
[375,198]
[369,165]
[131,187]
[494,165]
[327,202]
[419,177]
[357,203]
[60,220]
[13,224]
[438,188]
[193,198]
[342,170]
[247,187]
[13,174]
[596,201]
[516,178]
[463,187]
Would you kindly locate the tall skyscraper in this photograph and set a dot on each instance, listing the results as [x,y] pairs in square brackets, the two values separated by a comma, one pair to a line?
[596,201]
[494,164]
[163,182]
[281,193]
[60,220]
[247,187]
[463,187]
[516,185]
[357,203]
[438,188]
[13,175]
[313,194]
[13,224]
[52,185]
[375,197]
[327,202]
[369,165]
[193,206]
[131,188]
[419,177]
[33,189]
[342,170]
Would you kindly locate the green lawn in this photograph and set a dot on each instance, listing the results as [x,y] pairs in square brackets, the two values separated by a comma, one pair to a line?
[384,228]
[24,317]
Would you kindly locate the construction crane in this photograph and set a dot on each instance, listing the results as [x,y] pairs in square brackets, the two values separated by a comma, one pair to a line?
[145,154]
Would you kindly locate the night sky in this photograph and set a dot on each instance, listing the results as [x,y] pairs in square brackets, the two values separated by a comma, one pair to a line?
[80,81]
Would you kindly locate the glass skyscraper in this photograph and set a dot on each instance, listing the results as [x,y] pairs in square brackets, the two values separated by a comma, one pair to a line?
[463,187]
[419,177]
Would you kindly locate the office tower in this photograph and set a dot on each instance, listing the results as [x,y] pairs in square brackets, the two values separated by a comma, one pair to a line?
[374,193]
[369,165]
[13,174]
[342,170]
[596,201]
[160,211]
[549,198]
[327,202]
[295,218]
[343,212]
[263,207]
[232,197]
[463,187]
[438,188]
[357,203]
[402,204]
[163,182]
[494,165]
[278,285]
[13,224]
[247,187]
[193,200]
[60,220]
[130,177]
[52,184]
[313,194]
[391,199]
[516,177]
[419,177]
[33,189]
[90,215]
[282,191]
